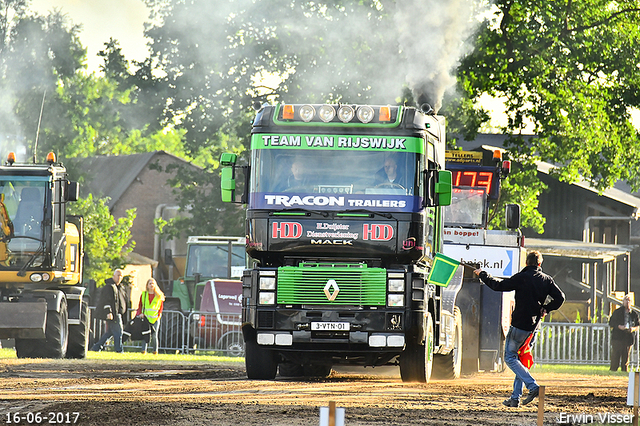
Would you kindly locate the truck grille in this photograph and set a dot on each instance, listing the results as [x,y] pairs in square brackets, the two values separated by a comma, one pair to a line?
[355,285]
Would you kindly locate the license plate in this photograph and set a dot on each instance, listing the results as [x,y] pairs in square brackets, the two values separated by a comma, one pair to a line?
[330,326]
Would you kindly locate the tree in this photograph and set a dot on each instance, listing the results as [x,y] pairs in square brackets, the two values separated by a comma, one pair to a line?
[35,53]
[571,69]
[217,59]
[106,241]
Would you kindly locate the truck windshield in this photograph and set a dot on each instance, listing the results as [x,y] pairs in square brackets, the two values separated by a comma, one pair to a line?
[21,216]
[334,180]
[211,260]
[467,208]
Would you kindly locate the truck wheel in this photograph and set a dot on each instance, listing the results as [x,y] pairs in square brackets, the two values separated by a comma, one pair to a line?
[416,361]
[54,345]
[449,366]
[261,364]
[79,334]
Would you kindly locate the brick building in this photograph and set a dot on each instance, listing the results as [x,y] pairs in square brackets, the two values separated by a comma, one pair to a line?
[130,182]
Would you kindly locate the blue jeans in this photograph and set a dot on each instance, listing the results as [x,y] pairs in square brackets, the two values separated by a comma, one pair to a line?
[114,328]
[515,339]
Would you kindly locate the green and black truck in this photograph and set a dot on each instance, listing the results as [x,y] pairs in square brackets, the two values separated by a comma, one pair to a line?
[344,218]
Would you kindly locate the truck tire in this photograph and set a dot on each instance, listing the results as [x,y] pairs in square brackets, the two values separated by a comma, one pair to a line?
[416,361]
[79,334]
[449,366]
[54,345]
[261,364]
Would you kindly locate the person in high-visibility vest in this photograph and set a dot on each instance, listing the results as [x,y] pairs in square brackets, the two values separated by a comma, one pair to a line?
[150,306]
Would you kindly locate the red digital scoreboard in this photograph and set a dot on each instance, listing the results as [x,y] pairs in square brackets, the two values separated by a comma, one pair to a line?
[476,177]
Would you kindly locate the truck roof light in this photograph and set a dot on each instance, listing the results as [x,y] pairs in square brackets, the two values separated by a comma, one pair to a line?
[346,113]
[287,112]
[385,113]
[365,113]
[326,113]
[51,158]
[307,112]
[11,158]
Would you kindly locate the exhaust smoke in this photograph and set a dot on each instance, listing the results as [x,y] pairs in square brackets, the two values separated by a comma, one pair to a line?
[432,35]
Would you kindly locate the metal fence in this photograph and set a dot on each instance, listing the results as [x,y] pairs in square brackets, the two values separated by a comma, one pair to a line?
[576,343]
[206,332]
[196,332]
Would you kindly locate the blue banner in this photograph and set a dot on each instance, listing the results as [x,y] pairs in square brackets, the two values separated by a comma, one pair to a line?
[339,202]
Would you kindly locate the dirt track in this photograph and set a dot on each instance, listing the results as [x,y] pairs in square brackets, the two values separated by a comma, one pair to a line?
[168,393]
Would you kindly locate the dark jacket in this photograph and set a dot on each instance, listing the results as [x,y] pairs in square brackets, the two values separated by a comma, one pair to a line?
[117,298]
[616,319]
[532,286]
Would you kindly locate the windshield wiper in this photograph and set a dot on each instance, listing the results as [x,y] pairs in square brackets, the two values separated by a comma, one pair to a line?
[369,212]
[296,210]
[23,271]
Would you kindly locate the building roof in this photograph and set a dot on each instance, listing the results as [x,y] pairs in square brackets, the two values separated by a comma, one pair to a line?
[611,193]
[578,249]
[111,175]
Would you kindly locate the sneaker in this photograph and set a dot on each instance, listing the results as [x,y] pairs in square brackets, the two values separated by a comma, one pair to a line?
[531,396]
[510,402]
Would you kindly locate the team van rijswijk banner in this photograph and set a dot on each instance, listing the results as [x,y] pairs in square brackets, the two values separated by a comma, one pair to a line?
[377,202]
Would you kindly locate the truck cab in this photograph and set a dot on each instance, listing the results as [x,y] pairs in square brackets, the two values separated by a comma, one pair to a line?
[41,261]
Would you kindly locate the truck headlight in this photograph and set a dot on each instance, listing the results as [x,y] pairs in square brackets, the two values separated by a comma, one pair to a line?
[307,112]
[267,298]
[365,113]
[345,113]
[326,113]
[395,300]
[267,283]
[396,286]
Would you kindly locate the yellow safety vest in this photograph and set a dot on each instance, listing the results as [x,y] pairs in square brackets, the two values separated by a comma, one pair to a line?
[151,310]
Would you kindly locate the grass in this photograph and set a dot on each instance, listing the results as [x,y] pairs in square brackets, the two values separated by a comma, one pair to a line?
[139,356]
[588,370]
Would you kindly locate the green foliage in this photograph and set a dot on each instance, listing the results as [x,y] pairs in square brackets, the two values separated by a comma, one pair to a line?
[521,187]
[35,53]
[570,68]
[106,241]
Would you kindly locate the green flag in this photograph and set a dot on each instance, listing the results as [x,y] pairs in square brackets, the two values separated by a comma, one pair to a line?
[442,270]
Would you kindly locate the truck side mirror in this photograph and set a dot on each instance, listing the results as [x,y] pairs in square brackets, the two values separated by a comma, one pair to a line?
[444,187]
[512,216]
[228,185]
[227,179]
[72,191]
